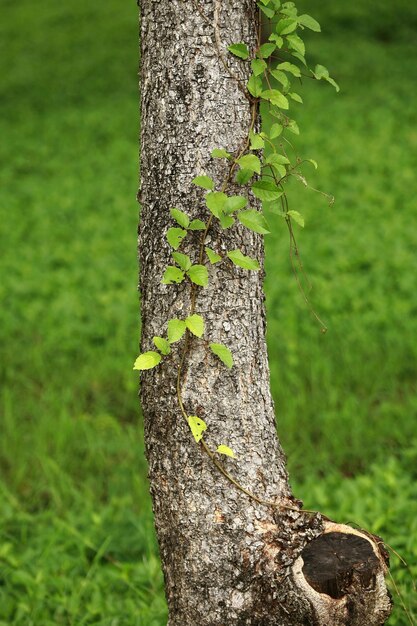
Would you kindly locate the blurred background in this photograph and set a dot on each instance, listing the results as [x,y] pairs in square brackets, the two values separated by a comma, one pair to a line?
[77,545]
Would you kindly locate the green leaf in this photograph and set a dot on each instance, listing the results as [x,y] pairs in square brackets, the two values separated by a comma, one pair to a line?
[256,141]
[182,260]
[172,275]
[243,176]
[276,158]
[296,43]
[322,72]
[162,345]
[255,86]
[241,260]
[254,221]
[180,217]
[216,201]
[300,57]
[279,42]
[309,22]
[197,225]
[290,67]
[282,78]
[275,97]
[291,11]
[268,12]
[313,162]
[220,153]
[276,130]
[176,329]
[175,237]
[204,181]
[213,256]
[222,449]
[223,353]
[147,360]
[297,217]
[235,203]
[266,50]
[195,324]
[294,96]
[285,26]
[226,221]
[250,162]
[258,66]
[265,2]
[292,126]
[197,426]
[266,191]
[239,50]
[198,275]
[277,161]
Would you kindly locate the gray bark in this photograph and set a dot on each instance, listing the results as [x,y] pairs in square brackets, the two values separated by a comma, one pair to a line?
[226,558]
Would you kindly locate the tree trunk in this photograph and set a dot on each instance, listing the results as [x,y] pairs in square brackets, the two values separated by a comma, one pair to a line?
[227,558]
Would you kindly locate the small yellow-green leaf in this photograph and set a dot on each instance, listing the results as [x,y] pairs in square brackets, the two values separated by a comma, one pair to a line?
[198,275]
[256,141]
[286,26]
[268,12]
[197,225]
[220,153]
[250,162]
[246,262]
[222,449]
[239,50]
[215,201]
[195,324]
[275,97]
[266,50]
[204,181]
[180,217]
[266,190]
[297,217]
[290,67]
[162,345]
[254,221]
[255,86]
[235,203]
[172,275]
[213,256]
[309,22]
[147,360]
[226,221]
[244,176]
[313,162]
[175,237]
[276,130]
[183,260]
[197,427]
[223,353]
[296,43]
[258,66]
[176,329]
[292,126]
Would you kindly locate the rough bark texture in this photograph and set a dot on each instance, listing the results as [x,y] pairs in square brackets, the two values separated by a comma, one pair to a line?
[227,560]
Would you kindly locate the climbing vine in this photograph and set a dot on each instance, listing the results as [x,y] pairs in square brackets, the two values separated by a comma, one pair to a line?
[261,167]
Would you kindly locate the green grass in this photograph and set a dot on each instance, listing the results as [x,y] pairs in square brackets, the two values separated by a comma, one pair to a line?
[77,545]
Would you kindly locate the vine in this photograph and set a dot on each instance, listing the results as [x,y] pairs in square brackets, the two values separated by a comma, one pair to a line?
[275,65]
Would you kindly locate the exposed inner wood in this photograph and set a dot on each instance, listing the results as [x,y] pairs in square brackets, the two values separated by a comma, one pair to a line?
[334,561]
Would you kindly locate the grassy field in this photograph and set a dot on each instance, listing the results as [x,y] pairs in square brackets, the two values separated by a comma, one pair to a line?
[77,545]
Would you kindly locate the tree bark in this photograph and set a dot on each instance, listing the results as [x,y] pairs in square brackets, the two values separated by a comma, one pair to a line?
[227,559]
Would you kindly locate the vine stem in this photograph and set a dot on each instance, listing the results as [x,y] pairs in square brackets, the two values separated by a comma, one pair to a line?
[193,296]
